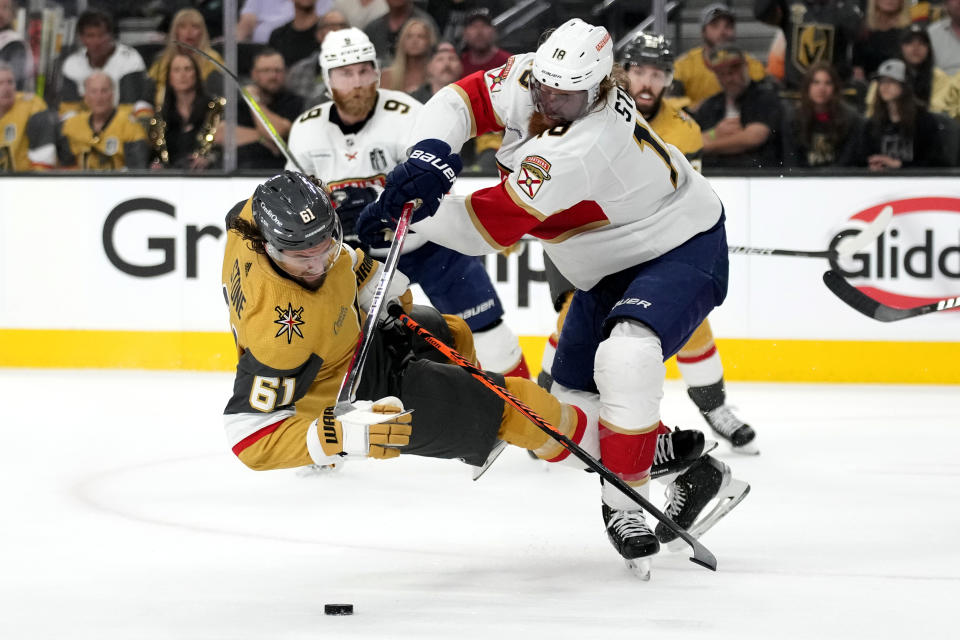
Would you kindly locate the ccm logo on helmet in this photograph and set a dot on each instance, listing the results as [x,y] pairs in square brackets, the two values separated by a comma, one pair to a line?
[434,161]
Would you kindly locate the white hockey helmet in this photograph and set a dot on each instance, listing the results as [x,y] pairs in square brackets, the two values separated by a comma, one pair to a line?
[343,47]
[576,56]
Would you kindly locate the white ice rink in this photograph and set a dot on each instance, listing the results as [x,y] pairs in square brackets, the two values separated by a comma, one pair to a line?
[125,515]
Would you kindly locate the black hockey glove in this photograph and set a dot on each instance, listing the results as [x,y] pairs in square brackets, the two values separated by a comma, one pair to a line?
[425,177]
[349,202]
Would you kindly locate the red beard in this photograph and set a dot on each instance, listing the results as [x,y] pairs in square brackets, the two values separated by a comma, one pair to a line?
[356,103]
[539,123]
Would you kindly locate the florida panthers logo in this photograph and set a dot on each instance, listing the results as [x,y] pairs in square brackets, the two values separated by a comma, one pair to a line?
[497,76]
[534,171]
[289,320]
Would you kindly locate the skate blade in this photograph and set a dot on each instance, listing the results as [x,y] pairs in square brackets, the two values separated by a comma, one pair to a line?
[667,478]
[318,470]
[749,449]
[640,567]
[729,496]
[494,454]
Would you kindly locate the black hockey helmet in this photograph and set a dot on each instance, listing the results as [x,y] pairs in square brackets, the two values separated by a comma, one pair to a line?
[293,213]
[648,48]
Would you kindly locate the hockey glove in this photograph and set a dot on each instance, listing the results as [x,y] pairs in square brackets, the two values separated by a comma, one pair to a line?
[423,179]
[375,429]
[349,202]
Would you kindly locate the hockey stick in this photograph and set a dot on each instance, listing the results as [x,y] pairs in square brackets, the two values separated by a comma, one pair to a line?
[701,555]
[348,388]
[257,111]
[846,247]
[875,309]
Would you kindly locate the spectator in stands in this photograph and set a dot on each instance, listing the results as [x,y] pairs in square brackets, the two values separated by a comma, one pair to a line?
[255,150]
[383,31]
[360,13]
[901,133]
[13,49]
[104,136]
[814,30]
[932,87]
[480,50]
[304,77]
[100,52]
[26,128]
[189,27]
[741,124]
[258,18]
[451,15]
[182,133]
[945,37]
[408,71]
[823,130]
[692,76]
[297,39]
[444,68]
[885,24]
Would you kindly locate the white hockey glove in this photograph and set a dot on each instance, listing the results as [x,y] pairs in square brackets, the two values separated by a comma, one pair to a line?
[376,429]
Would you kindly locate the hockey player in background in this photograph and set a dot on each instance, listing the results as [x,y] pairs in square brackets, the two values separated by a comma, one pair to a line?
[351,143]
[647,63]
[297,298]
[624,217]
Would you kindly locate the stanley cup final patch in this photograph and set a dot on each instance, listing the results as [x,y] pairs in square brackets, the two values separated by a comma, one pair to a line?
[534,171]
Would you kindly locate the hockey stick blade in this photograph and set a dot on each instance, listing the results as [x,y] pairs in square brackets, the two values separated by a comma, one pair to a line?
[701,555]
[875,309]
[254,106]
[348,387]
[846,247]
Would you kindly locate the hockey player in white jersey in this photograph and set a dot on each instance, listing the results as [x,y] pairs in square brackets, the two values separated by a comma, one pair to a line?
[623,216]
[351,143]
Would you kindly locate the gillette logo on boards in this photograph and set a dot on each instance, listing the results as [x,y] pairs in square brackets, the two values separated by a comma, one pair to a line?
[916,260]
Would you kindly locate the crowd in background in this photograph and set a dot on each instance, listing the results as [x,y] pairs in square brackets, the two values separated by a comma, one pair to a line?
[847,83]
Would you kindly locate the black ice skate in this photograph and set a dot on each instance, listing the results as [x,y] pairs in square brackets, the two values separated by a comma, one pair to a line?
[693,490]
[739,434]
[711,400]
[632,538]
[677,450]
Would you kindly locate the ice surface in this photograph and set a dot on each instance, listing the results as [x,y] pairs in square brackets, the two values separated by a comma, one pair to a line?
[124,515]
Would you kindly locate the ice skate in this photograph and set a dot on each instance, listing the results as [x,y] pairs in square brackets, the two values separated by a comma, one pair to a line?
[740,435]
[678,450]
[707,480]
[631,536]
[498,448]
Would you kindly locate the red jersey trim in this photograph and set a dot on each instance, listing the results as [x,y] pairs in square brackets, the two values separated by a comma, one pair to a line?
[255,436]
[473,91]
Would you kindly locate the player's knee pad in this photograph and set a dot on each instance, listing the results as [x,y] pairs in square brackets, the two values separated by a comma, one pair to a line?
[589,404]
[629,372]
[498,348]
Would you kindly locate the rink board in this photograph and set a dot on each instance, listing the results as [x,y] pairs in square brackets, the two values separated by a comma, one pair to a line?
[125,272]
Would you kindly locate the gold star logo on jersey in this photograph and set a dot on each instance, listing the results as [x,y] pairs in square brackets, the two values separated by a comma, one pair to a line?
[534,171]
[289,320]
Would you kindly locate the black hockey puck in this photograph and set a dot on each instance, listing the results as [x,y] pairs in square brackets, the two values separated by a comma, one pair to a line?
[338,609]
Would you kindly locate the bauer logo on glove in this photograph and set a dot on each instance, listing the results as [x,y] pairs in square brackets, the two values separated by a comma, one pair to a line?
[424,178]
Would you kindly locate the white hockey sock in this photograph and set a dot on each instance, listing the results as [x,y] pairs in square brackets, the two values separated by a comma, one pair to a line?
[701,370]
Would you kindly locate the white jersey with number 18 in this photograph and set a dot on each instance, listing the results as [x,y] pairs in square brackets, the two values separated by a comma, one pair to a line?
[603,193]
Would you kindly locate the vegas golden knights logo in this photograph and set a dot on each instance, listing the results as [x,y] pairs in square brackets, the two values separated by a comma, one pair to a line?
[812,41]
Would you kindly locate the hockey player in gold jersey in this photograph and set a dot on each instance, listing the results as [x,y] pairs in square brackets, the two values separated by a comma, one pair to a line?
[297,298]
[106,136]
[26,128]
